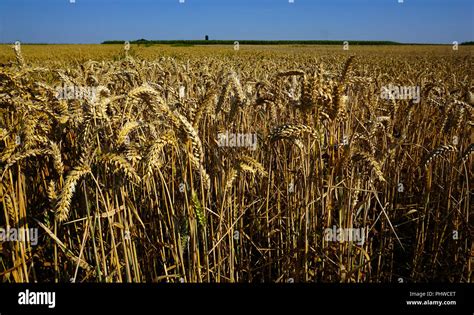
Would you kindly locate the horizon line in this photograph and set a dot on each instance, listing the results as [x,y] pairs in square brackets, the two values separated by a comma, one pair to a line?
[255,41]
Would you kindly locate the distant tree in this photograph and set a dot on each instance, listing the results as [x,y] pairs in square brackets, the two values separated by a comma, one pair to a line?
[207,37]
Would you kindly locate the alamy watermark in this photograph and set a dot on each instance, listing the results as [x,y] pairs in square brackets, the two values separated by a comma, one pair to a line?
[37,298]
[237,140]
[401,93]
[335,234]
[19,235]
[74,92]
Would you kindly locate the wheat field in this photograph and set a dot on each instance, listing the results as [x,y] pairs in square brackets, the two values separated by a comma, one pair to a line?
[135,179]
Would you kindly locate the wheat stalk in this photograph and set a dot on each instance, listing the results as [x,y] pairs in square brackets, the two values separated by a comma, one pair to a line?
[64,202]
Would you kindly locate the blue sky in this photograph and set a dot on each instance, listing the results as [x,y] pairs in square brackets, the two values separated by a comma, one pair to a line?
[93,21]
